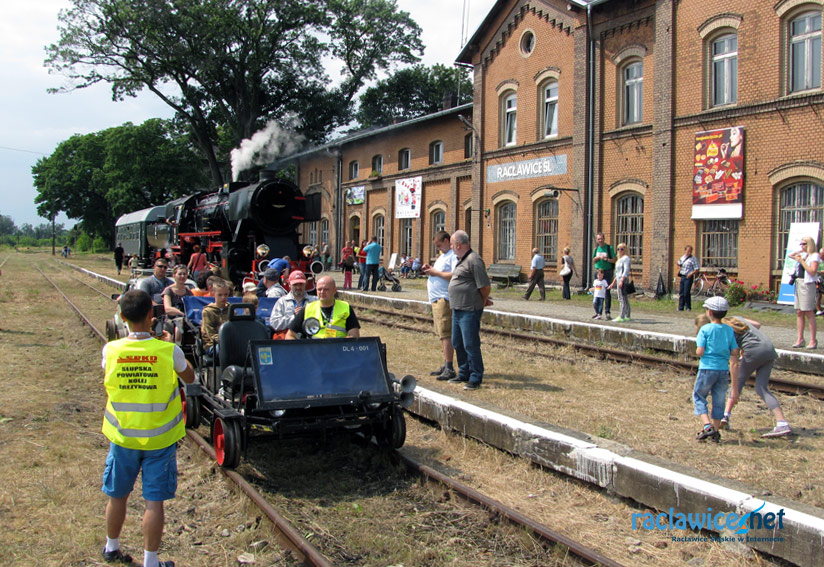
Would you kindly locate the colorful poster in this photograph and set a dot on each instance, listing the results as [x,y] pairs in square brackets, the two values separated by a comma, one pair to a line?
[718,174]
[798,230]
[354,195]
[408,198]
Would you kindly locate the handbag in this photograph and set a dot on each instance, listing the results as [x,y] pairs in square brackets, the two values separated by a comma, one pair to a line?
[566,270]
[629,287]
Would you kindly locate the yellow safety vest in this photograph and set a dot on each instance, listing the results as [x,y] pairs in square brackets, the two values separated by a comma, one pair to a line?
[144,409]
[335,326]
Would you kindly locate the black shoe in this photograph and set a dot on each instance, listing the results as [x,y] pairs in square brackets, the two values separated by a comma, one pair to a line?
[525,297]
[708,433]
[447,374]
[458,379]
[438,372]
[472,385]
[117,556]
[166,564]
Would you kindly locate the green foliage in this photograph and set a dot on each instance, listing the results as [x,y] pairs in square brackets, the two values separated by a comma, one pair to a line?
[736,293]
[83,243]
[412,92]
[98,177]
[234,64]
[7,225]
[99,245]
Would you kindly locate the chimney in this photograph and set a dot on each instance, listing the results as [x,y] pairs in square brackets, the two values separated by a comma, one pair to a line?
[450,100]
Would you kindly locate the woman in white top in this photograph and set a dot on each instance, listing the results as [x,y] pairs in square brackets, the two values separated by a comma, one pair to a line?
[805,288]
[622,267]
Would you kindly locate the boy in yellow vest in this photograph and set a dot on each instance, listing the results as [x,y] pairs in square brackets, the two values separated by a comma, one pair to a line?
[143,421]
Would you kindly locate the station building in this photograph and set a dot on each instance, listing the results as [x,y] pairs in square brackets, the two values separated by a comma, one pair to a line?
[661,123]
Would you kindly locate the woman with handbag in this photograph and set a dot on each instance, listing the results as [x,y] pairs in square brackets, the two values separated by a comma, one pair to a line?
[805,287]
[621,281]
[197,262]
[567,271]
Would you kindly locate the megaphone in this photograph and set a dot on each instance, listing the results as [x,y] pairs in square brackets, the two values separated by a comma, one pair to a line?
[406,399]
[407,383]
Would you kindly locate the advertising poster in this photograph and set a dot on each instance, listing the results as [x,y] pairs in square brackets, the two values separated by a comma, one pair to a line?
[354,195]
[408,198]
[718,174]
[798,230]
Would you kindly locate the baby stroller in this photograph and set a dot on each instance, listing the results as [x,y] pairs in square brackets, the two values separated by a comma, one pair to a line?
[387,278]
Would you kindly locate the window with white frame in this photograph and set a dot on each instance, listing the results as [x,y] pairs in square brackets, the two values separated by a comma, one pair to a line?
[799,202]
[405,236]
[546,229]
[468,145]
[510,119]
[629,225]
[313,233]
[435,152]
[724,53]
[404,158]
[550,117]
[324,230]
[377,227]
[506,230]
[377,164]
[437,222]
[354,170]
[805,52]
[633,93]
[719,243]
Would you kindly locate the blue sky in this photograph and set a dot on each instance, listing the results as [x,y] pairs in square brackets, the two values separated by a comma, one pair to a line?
[33,122]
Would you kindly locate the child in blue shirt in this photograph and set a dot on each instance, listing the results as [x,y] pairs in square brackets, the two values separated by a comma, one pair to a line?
[718,350]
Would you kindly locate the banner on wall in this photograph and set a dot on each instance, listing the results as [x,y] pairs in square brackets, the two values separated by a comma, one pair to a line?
[798,230]
[718,174]
[354,195]
[408,198]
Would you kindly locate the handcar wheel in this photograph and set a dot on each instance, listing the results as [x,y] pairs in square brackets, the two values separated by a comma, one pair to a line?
[226,442]
[191,409]
[397,428]
[381,287]
[396,286]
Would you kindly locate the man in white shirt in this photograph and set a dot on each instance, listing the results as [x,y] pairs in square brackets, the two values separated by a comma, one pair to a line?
[438,288]
[536,275]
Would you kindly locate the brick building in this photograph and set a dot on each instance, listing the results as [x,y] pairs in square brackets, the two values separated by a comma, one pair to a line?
[660,123]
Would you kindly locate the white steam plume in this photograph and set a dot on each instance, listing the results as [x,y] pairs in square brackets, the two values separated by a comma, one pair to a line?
[265,145]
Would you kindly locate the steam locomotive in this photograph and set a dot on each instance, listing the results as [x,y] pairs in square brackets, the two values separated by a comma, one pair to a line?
[239,227]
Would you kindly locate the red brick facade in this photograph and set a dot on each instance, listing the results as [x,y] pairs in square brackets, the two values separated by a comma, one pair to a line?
[534,190]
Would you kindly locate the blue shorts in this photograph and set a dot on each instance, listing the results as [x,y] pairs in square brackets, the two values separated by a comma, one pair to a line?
[159,472]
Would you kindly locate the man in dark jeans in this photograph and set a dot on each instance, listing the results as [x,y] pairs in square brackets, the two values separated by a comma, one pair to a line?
[373,259]
[688,267]
[604,259]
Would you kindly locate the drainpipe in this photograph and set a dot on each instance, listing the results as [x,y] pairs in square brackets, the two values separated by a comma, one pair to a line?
[339,220]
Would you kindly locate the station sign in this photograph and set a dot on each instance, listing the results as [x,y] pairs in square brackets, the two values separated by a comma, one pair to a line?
[526,169]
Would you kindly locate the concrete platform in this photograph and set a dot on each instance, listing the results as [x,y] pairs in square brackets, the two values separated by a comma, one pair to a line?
[651,481]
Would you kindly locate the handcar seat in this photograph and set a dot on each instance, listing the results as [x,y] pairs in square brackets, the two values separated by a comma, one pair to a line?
[233,343]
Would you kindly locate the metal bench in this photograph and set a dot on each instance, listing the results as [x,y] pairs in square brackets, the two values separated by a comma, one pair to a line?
[505,274]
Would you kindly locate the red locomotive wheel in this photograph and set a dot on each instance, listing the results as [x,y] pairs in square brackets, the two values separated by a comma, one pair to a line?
[226,441]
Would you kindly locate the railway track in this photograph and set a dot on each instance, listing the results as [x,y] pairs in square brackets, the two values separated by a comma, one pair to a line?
[291,538]
[602,353]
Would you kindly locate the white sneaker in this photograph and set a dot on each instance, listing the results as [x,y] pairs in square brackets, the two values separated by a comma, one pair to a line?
[779,431]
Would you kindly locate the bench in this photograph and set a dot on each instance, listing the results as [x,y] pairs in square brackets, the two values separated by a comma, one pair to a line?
[506,274]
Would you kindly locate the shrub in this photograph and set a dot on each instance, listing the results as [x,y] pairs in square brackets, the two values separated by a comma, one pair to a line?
[736,293]
[99,245]
[83,243]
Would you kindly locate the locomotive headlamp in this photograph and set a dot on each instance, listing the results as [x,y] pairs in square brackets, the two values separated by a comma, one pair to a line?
[307,250]
[311,327]
[262,251]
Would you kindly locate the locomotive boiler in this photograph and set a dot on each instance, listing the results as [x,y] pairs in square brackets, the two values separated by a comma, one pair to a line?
[231,225]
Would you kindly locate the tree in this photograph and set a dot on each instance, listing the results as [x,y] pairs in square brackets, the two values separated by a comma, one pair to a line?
[7,225]
[98,177]
[412,92]
[235,63]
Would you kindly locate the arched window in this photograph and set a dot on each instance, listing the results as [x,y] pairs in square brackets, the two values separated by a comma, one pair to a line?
[632,91]
[724,61]
[324,230]
[354,170]
[509,119]
[546,229]
[377,164]
[549,93]
[437,222]
[405,237]
[377,227]
[506,230]
[435,152]
[800,202]
[629,224]
[805,52]
[404,158]
[313,233]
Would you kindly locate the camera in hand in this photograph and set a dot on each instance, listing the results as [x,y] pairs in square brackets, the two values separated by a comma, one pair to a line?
[159,314]
[797,273]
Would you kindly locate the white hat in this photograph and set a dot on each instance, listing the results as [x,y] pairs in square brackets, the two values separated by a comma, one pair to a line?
[717,303]
[249,286]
